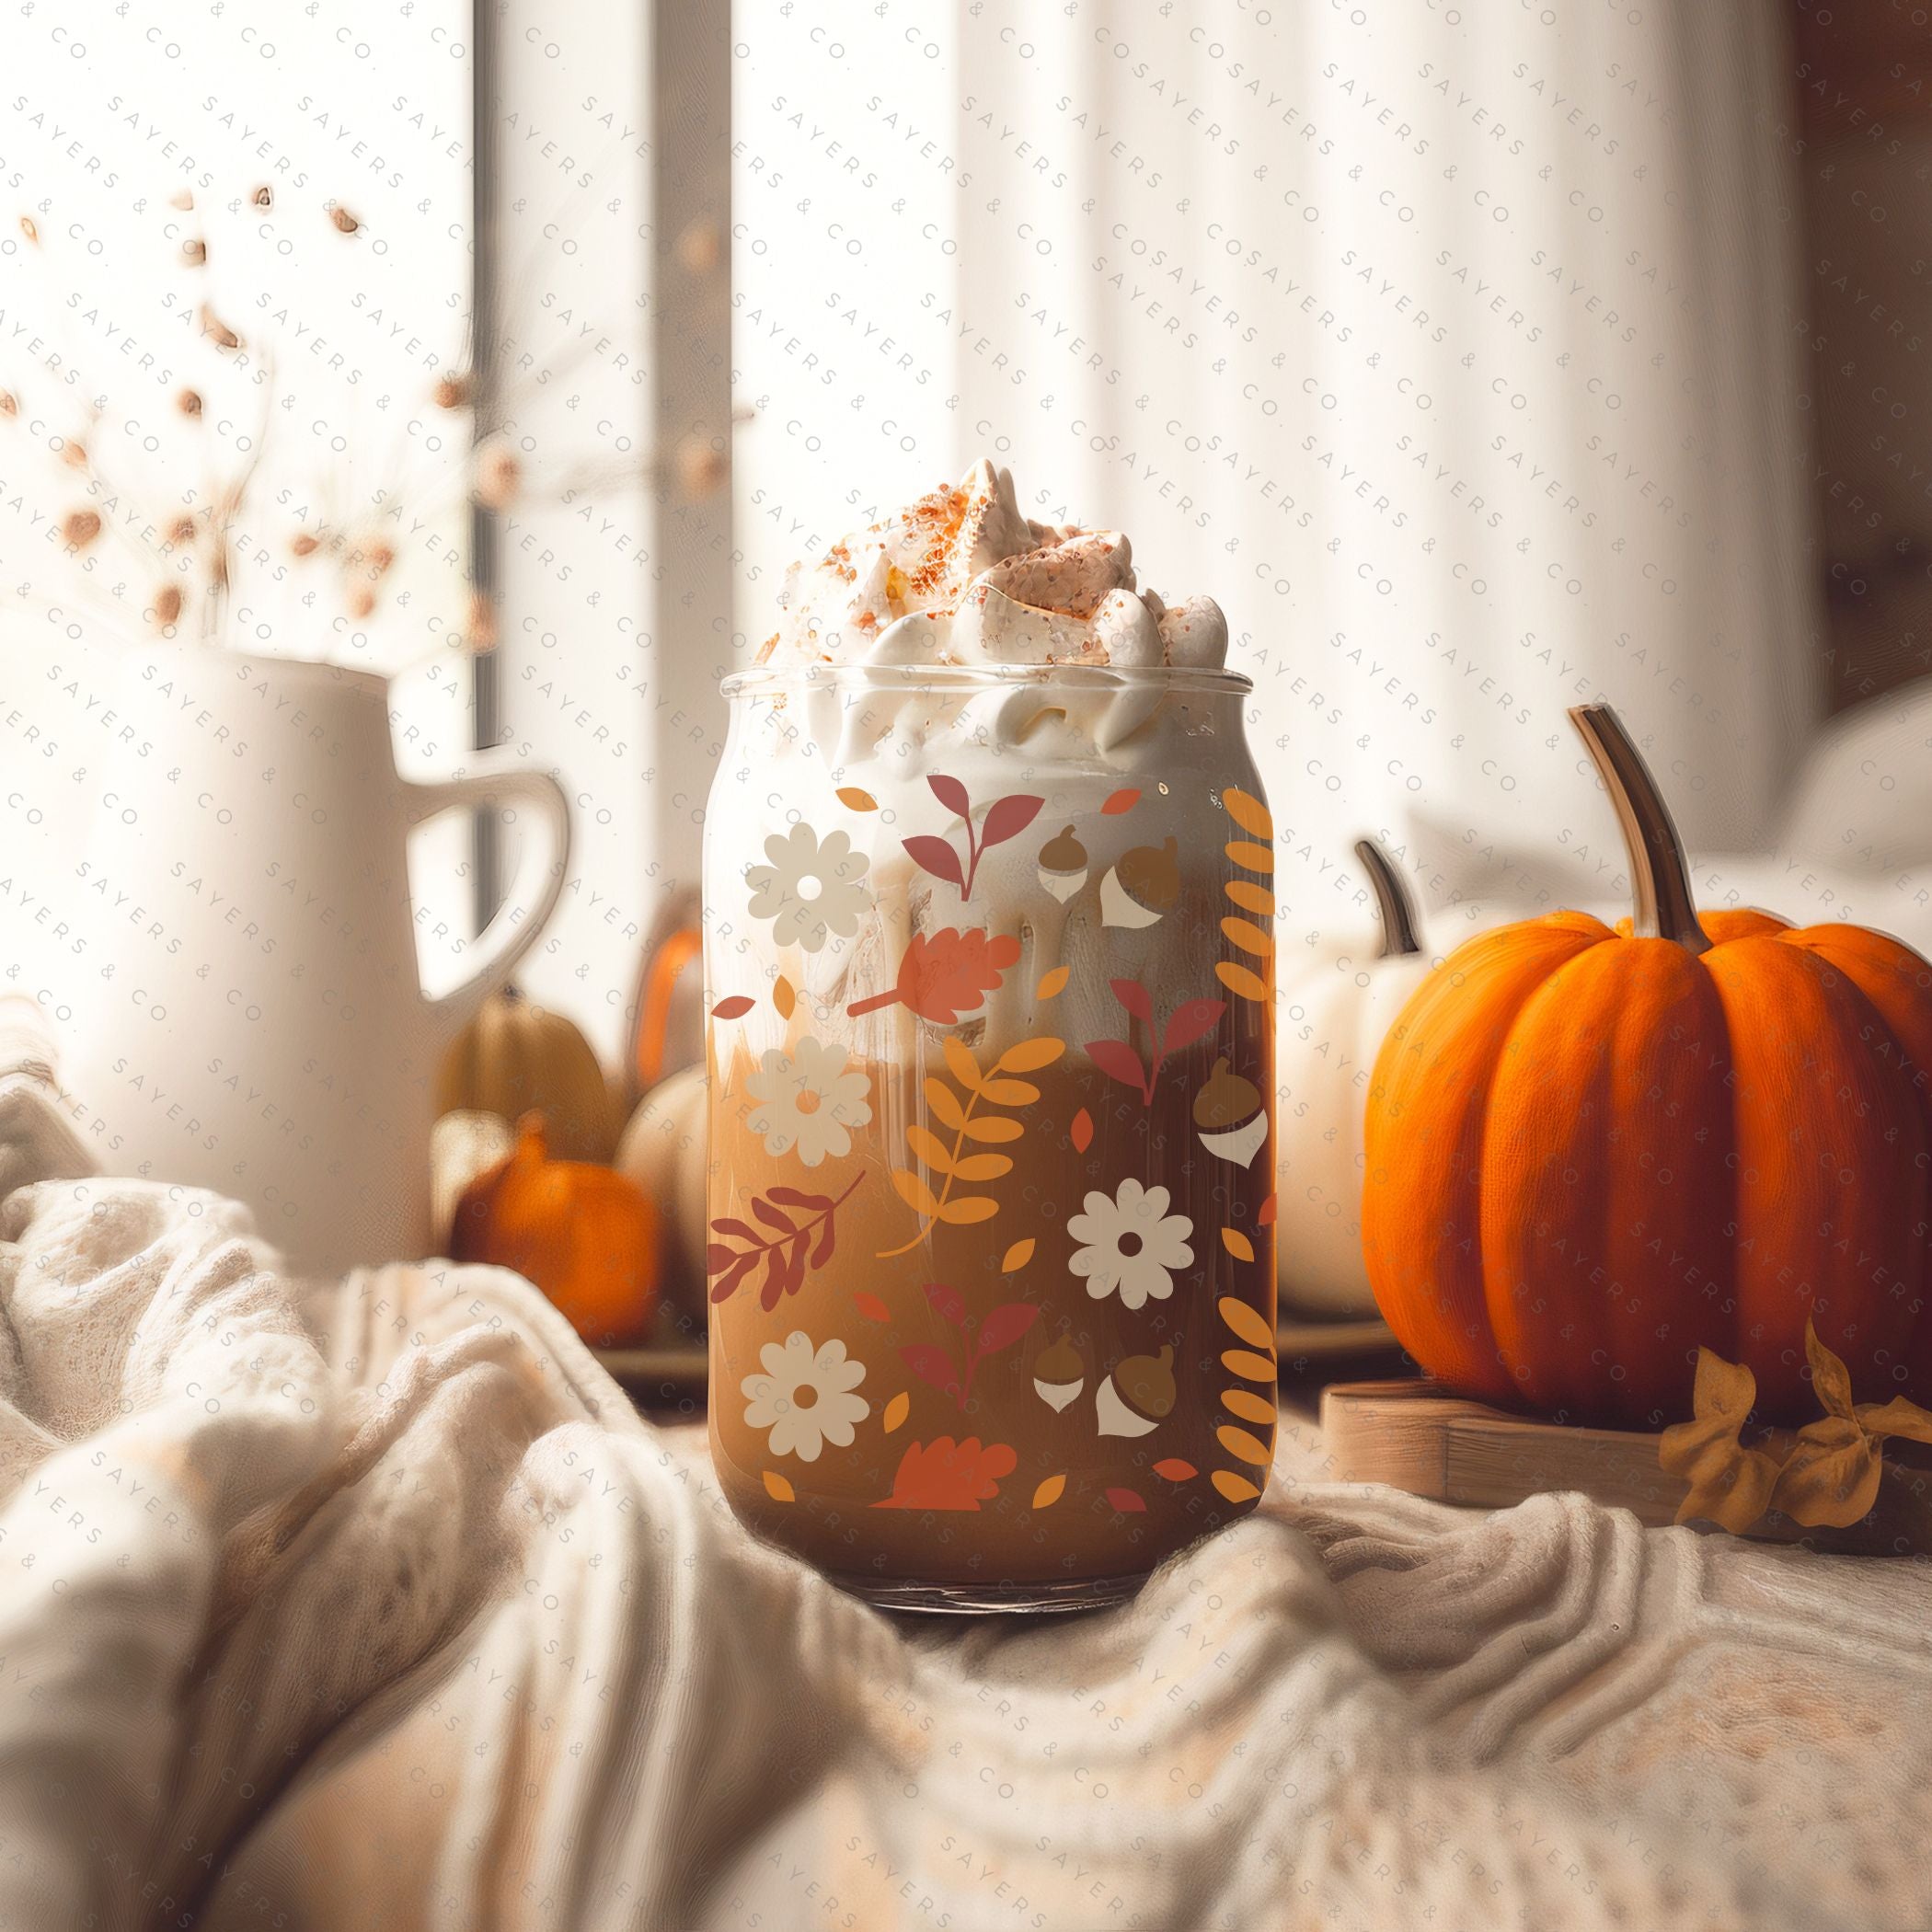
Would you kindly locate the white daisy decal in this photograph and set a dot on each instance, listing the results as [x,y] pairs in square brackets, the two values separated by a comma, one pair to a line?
[806,1400]
[807,1099]
[1131,1243]
[811,888]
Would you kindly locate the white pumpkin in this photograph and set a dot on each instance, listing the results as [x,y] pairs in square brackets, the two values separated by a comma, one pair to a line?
[663,1150]
[1331,1014]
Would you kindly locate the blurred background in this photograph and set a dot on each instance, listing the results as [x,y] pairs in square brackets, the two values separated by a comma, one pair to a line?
[1477,368]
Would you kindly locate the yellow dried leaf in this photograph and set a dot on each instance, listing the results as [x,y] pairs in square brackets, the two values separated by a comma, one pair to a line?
[1030,1056]
[785,997]
[896,1410]
[944,1104]
[778,1489]
[930,1147]
[914,1191]
[992,1128]
[1054,982]
[1018,1255]
[1048,1492]
[1248,812]
[961,1064]
[1250,1324]
[1831,1476]
[982,1167]
[1237,1244]
[1897,1417]
[963,1210]
[1831,1380]
[855,800]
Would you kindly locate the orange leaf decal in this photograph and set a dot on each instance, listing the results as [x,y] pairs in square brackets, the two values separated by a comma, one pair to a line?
[1053,982]
[1266,1217]
[1175,1469]
[785,997]
[1018,1255]
[945,1475]
[1237,1244]
[945,974]
[1049,1492]
[1082,1132]
[896,1410]
[871,1307]
[732,1008]
[1122,801]
[854,800]
[778,1489]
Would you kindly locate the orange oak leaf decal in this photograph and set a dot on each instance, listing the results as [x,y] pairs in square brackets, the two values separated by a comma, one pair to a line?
[945,974]
[945,1475]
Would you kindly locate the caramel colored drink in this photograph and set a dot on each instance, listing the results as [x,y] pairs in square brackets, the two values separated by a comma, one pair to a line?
[991,1258]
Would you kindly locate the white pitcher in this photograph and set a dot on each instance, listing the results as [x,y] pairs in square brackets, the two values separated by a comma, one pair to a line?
[230,963]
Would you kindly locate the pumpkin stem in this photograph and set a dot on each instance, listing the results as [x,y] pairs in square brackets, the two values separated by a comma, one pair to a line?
[1391,901]
[1659,880]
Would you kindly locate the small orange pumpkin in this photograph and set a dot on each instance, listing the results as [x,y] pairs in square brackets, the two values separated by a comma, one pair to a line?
[1588,1151]
[585,1236]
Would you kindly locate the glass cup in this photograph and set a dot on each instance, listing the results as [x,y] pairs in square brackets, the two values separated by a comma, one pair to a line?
[988,960]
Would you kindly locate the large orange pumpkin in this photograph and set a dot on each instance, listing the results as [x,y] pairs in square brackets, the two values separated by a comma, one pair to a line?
[1588,1151]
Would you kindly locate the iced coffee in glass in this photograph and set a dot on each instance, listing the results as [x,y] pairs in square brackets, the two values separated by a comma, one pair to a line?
[989,914]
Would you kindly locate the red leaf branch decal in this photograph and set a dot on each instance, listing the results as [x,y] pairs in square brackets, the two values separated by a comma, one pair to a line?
[1006,818]
[788,1251]
[947,973]
[999,1329]
[1190,1021]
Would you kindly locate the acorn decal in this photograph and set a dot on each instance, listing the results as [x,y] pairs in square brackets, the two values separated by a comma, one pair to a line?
[1063,865]
[1059,1374]
[1230,1115]
[1142,888]
[1137,1398]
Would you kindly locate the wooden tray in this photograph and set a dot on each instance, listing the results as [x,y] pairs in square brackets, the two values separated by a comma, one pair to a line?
[674,1377]
[1418,1437]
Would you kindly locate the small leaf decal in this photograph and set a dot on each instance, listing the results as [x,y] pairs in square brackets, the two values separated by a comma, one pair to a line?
[1082,1132]
[1266,1217]
[935,855]
[1030,1056]
[785,997]
[1236,1489]
[871,1307]
[1004,1326]
[1135,997]
[914,1191]
[932,1364]
[978,1168]
[1017,1257]
[1246,1322]
[1237,1244]
[1175,1469]
[1049,1492]
[1128,1502]
[1008,818]
[1189,1021]
[950,793]
[1052,983]
[1248,812]
[732,1008]
[778,1489]
[947,1302]
[962,1210]
[896,1410]
[1122,801]
[854,800]
[1238,979]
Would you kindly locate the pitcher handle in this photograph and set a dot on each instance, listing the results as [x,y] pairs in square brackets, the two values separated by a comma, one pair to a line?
[542,864]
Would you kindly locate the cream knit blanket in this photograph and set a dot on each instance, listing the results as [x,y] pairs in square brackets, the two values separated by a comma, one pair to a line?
[372,1604]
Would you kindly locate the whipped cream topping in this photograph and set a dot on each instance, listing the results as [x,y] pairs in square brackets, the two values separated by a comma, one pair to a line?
[961,577]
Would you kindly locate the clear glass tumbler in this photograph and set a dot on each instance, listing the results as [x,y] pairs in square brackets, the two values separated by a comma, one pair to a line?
[989,964]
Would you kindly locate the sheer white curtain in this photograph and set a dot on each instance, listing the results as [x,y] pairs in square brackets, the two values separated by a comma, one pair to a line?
[1452,351]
